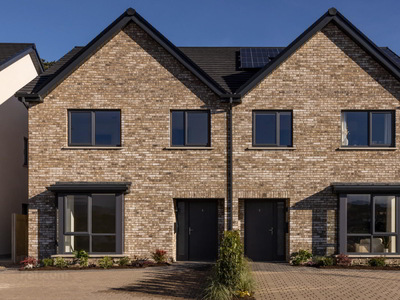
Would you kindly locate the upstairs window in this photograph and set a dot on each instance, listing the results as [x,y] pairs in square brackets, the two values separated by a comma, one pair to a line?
[272,128]
[368,128]
[190,128]
[100,128]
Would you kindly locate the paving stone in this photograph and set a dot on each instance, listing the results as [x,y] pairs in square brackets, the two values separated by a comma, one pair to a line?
[187,281]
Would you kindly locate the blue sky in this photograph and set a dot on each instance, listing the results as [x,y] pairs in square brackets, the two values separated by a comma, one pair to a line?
[56,26]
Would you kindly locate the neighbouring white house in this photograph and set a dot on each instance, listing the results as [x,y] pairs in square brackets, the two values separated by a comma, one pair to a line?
[19,64]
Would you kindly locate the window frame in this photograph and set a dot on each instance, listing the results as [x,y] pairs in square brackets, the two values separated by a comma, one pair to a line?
[93,128]
[278,125]
[119,220]
[369,128]
[343,225]
[185,122]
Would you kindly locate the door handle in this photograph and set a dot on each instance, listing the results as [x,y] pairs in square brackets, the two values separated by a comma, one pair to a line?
[190,231]
[271,230]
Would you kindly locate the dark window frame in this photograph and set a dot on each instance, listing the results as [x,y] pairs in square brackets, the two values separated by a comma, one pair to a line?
[343,225]
[119,219]
[185,111]
[277,116]
[93,128]
[26,151]
[369,128]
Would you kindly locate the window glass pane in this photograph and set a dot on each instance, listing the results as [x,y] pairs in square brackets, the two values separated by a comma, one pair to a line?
[102,243]
[81,128]
[76,213]
[103,213]
[197,128]
[385,213]
[265,130]
[285,129]
[72,243]
[108,128]
[358,244]
[381,128]
[280,230]
[355,128]
[384,244]
[358,214]
[178,128]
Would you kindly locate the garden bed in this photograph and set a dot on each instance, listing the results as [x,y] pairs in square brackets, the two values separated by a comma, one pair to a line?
[78,268]
[388,268]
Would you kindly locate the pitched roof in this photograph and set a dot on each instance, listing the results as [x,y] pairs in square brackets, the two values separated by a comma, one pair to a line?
[11,52]
[130,15]
[393,56]
[37,83]
[332,15]
[217,67]
[222,64]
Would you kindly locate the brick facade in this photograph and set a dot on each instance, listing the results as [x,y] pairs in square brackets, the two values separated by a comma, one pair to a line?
[329,73]
[133,73]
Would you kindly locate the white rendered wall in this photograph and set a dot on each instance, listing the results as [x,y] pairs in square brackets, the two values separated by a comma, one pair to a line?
[13,129]
[16,76]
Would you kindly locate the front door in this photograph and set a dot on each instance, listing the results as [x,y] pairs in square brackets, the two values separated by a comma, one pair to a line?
[197,230]
[265,230]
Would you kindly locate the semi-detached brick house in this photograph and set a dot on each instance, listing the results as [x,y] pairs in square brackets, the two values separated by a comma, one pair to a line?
[135,144]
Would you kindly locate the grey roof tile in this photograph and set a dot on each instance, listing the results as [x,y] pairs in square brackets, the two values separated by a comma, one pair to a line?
[8,50]
[35,85]
[222,64]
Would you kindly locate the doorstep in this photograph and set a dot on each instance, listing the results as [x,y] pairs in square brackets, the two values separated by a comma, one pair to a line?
[90,255]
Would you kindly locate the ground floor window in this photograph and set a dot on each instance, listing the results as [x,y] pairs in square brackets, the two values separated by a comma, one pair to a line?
[90,222]
[368,224]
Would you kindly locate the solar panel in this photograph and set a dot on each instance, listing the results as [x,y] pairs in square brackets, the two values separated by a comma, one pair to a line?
[392,55]
[256,58]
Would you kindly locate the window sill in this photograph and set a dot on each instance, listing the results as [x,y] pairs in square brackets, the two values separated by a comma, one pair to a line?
[91,148]
[271,148]
[367,148]
[188,148]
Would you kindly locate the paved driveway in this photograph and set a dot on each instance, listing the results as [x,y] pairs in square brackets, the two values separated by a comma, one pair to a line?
[281,281]
[186,281]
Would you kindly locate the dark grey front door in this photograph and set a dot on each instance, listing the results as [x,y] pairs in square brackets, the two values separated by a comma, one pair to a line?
[264,230]
[197,230]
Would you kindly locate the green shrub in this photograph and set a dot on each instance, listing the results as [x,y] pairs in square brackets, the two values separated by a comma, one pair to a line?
[230,262]
[81,254]
[124,261]
[83,257]
[60,262]
[246,282]
[301,257]
[217,291]
[323,261]
[377,262]
[159,256]
[48,262]
[106,262]
[231,274]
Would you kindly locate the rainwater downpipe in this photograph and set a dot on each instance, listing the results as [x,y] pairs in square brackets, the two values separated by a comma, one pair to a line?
[230,166]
